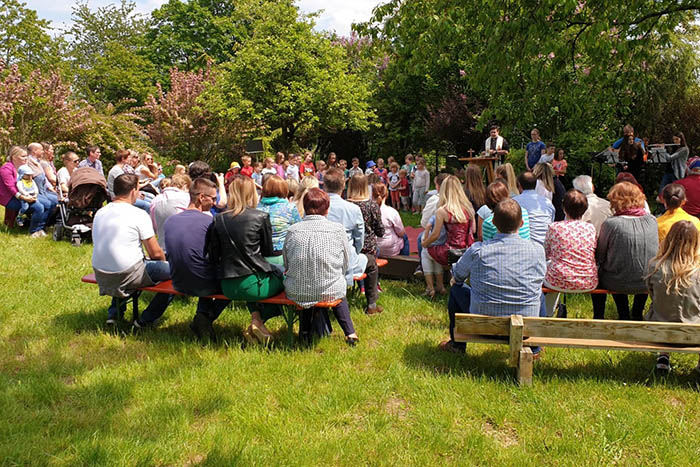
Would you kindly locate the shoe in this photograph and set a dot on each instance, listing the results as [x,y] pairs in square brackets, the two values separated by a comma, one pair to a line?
[441,292]
[202,327]
[379,288]
[362,290]
[537,355]
[42,233]
[111,322]
[36,234]
[375,310]
[663,365]
[249,337]
[351,341]
[429,293]
[449,346]
[19,221]
[418,271]
[262,336]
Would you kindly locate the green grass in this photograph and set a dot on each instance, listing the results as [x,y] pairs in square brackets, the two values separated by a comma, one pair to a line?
[72,393]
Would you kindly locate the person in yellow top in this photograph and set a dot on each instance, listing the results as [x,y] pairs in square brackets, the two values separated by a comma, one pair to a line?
[673,197]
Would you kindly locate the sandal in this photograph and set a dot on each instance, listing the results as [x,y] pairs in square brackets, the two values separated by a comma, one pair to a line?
[249,337]
[261,334]
[442,292]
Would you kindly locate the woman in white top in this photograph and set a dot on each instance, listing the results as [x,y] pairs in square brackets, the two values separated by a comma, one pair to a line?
[394,241]
[70,162]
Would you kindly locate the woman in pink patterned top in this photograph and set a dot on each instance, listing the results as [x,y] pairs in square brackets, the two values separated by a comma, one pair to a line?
[570,249]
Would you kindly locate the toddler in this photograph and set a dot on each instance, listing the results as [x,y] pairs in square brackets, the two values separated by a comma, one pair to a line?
[247,169]
[26,187]
[394,181]
[421,185]
[404,189]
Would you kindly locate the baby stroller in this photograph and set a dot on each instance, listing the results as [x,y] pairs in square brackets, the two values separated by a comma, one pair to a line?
[87,192]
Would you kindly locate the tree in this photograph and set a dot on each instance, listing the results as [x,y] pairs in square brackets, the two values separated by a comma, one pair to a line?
[189,34]
[106,51]
[37,107]
[24,38]
[573,66]
[183,127]
[288,76]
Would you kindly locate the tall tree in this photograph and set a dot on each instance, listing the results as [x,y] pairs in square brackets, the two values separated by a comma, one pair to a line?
[288,76]
[25,38]
[106,51]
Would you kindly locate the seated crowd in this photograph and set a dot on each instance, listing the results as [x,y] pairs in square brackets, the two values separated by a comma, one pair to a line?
[255,232]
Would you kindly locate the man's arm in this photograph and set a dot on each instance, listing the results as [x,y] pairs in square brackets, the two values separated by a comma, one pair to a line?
[462,268]
[155,252]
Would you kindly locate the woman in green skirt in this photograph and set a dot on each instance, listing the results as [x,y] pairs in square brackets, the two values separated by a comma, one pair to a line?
[238,241]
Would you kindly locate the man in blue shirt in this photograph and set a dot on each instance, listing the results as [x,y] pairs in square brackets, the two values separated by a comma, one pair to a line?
[190,270]
[349,215]
[540,210]
[505,273]
[93,159]
[534,149]
[626,131]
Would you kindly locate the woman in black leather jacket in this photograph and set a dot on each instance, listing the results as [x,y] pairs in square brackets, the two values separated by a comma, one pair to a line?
[237,241]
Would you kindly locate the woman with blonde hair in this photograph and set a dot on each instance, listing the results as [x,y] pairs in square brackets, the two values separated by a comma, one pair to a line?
[238,241]
[507,173]
[474,186]
[551,188]
[673,281]
[456,214]
[303,187]
[626,243]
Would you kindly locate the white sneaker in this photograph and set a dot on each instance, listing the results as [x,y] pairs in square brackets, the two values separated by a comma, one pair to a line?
[37,234]
[43,233]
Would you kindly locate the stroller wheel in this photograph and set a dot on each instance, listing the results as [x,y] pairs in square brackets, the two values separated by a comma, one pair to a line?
[58,232]
[75,239]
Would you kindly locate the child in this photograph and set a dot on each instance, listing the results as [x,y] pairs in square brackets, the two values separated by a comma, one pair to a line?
[320,172]
[394,180]
[390,161]
[232,171]
[180,170]
[404,189]
[343,164]
[307,168]
[293,167]
[26,187]
[257,175]
[548,156]
[355,169]
[280,166]
[381,171]
[421,185]
[370,168]
[409,167]
[559,164]
[247,169]
[269,167]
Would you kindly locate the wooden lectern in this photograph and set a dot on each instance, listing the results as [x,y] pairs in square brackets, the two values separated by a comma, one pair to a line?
[488,162]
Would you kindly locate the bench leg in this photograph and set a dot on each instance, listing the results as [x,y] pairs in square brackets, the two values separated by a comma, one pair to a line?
[290,316]
[524,369]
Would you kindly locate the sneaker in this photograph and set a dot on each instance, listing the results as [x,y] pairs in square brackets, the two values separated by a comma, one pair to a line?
[111,322]
[379,288]
[19,221]
[418,271]
[663,365]
[42,233]
[37,234]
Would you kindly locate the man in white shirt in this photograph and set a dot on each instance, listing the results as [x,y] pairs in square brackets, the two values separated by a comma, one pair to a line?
[118,231]
[598,208]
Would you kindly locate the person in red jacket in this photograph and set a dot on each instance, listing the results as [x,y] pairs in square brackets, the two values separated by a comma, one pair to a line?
[247,169]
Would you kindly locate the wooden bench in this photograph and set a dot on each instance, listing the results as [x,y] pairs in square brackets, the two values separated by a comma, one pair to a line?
[517,331]
[355,291]
[290,310]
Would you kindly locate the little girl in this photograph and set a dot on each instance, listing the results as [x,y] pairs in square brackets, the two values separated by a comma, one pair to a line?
[404,189]
[269,167]
[381,171]
[394,181]
[559,164]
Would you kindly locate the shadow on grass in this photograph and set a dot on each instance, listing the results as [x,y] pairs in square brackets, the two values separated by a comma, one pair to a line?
[632,368]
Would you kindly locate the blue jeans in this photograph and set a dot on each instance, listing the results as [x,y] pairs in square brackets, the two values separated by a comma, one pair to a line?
[35,209]
[459,301]
[143,204]
[406,250]
[420,243]
[158,271]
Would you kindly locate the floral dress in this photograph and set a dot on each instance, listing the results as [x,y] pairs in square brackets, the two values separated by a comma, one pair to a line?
[373,225]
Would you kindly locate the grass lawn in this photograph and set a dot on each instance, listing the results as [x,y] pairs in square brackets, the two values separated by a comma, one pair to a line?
[72,393]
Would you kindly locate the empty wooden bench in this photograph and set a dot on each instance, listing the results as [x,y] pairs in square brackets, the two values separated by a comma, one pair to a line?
[289,308]
[521,333]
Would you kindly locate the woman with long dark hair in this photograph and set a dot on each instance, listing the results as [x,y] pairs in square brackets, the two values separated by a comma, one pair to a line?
[631,156]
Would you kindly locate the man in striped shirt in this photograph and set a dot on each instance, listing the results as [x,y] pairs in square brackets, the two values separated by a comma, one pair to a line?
[505,273]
